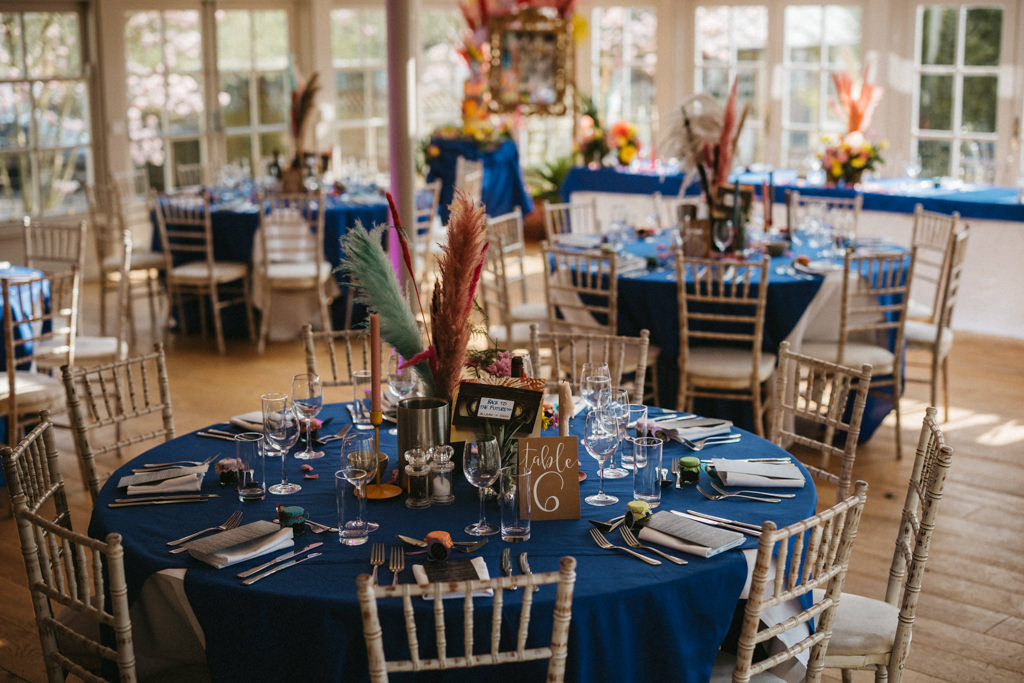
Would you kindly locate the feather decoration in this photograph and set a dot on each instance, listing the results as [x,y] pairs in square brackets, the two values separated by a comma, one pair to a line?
[303,104]
[724,147]
[458,265]
[375,284]
[403,241]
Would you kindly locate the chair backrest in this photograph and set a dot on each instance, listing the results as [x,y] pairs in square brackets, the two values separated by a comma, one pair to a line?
[54,246]
[105,220]
[291,229]
[555,652]
[134,199]
[920,510]
[355,345]
[578,217]
[428,198]
[559,356]
[843,213]
[186,231]
[469,177]
[116,406]
[828,397]
[817,555]
[581,289]
[71,571]
[504,266]
[951,286]
[190,175]
[32,470]
[933,239]
[874,299]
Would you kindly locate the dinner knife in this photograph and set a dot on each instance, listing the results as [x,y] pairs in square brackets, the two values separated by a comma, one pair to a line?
[281,558]
[752,527]
[711,522]
[187,496]
[524,567]
[273,570]
[161,501]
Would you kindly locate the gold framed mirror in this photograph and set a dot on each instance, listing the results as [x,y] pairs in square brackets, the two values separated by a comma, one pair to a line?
[530,63]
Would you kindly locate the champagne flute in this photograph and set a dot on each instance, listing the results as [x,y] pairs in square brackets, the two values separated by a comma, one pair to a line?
[280,433]
[307,400]
[481,462]
[401,381]
[601,438]
[595,383]
[617,406]
[357,453]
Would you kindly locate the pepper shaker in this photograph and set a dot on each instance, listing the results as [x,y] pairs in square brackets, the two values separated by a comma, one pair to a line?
[418,473]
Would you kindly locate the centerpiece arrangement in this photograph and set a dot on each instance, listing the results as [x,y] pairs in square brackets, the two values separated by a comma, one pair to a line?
[625,142]
[845,158]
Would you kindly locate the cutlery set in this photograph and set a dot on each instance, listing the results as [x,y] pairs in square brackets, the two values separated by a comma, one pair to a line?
[524,565]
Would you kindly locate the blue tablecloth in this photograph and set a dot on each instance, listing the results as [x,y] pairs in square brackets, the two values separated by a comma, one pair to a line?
[894,195]
[631,621]
[503,188]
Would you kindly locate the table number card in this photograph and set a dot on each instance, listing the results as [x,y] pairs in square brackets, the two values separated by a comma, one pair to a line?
[554,464]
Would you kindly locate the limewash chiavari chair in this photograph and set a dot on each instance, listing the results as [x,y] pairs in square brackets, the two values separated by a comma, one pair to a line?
[504,273]
[555,652]
[469,177]
[932,237]
[872,316]
[826,401]
[722,309]
[817,554]
[345,351]
[875,634]
[132,397]
[574,217]
[54,246]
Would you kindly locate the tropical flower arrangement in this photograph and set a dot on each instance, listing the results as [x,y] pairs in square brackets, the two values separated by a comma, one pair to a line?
[848,156]
[624,141]
[591,142]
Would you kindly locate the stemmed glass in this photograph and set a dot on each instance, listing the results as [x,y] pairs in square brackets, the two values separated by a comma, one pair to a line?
[722,234]
[280,433]
[617,406]
[601,438]
[357,453]
[402,381]
[307,400]
[595,383]
[481,462]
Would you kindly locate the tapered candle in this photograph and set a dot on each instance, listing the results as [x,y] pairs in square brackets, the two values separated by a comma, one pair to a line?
[564,408]
[374,363]
[771,202]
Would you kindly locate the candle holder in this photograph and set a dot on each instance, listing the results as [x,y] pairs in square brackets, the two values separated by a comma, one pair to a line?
[377,490]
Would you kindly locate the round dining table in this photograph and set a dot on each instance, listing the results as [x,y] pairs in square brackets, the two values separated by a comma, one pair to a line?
[630,621]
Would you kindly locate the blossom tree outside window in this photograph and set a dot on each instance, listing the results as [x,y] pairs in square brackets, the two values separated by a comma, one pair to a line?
[44,125]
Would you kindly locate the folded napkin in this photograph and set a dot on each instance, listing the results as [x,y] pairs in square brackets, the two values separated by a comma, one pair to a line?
[180,484]
[453,570]
[250,422]
[819,267]
[748,473]
[688,535]
[241,544]
[693,428]
[577,240]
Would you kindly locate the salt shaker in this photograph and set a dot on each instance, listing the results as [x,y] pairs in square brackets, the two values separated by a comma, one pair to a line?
[418,473]
[441,475]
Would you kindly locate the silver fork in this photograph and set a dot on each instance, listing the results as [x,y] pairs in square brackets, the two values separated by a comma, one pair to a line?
[675,471]
[230,523]
[711,440]
[397,563]
[752,493]
[634,542]
[608,545]
[723,496]
[376,559]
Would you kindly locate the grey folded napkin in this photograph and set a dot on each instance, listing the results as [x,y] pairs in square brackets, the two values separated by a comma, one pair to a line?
[453,570]
[250,422]
[688,535]
[169,480]
[241,544]
[689,428]
[748,473]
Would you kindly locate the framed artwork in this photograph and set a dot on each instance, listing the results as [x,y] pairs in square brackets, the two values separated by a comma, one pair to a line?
[530,62]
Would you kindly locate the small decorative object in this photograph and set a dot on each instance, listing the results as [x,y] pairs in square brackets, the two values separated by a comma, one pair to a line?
[846,158]
[637,513]
[441,475]
[417,473]
[689,469]
[624,142]
[292,516]
[227,471]
[439,546]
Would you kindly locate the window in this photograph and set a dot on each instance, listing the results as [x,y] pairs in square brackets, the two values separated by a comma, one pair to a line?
[44,121]
[956,91]
[165,92]
[359,53]
[818,40]
[442,70]
[730,45]
[256,81]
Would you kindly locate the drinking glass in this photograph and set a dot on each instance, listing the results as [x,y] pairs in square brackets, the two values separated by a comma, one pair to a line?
[722,234]
[357,453]
[350,495]
[601,438]
[481,462]
[252,485]
[307,400]
[401,381]
[617,405]
[595,383]
[280,433]
[361,387]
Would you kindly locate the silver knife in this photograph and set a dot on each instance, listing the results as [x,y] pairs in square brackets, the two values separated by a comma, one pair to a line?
[280,558]
[273,570]
[724,520]
[711,522]
[169,496]
[157,502]
[524,567]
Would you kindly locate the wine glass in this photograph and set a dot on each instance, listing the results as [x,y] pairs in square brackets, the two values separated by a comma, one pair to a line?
[481,462]
[595,383]
[617,406]
[401,381]
[307,400]
[722,234]
[601,438]
[357,453]
[280,433]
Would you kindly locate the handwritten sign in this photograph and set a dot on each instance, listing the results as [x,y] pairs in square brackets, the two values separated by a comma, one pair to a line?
[554,464]
[495,408]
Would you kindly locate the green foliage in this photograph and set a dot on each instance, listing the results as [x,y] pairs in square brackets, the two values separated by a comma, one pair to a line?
[545,179]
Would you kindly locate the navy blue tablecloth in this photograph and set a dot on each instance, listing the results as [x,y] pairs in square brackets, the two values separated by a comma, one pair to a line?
[503,187]
[630,621]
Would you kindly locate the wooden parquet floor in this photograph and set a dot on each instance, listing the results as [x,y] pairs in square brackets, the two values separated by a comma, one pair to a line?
[970,624]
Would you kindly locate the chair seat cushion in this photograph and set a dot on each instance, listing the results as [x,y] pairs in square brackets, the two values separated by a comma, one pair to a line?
[863,626]
[297,274]
[197,271]
[918,311]
[520,334]
[714,362]
[920,334]
[99,348]
[35,390]
[725,664]
[534,313]
[855,355]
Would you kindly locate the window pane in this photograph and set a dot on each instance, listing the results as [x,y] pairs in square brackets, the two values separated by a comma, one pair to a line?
[274,98]
[147,150]
[61,113]
[803,97]
[270,33]
[977,161]
[185,152]
[238,148]
[715,82]
[935,157]
[938,35]
[984,36]
[748,91]
[279,142]
[803,34]
[842,33]
[61,175]
[380,93]
[350,87]
[979,104]
[353,143]
[145,104]
[15,184]
[936,105]
[52,44]
[11,40]
[142,42]
[751,33]
[183,43]
[234,99]
[234,45]
[344,28]
[713,34]
[184,103]
[15,115]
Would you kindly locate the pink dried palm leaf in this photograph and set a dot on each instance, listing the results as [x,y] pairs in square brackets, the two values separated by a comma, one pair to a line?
[724,147]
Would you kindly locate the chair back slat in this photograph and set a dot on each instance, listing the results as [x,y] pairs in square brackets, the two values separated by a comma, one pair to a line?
[328,343]
[54,246]
[559,356]
[581,289]
[932,237]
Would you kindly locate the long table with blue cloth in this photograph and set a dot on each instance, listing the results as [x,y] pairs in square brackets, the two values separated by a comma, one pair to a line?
[630,621]
[235,222]
[503,185]
[893,195]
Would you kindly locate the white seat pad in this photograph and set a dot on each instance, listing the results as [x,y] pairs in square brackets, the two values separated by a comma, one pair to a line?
[537,313]
[297,274]
[863,626]
[35,390]
[223,271]
[725,664]
[854,356]
[726,363]
[922,334]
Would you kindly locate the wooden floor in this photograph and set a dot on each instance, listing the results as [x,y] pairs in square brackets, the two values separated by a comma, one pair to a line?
[970,624]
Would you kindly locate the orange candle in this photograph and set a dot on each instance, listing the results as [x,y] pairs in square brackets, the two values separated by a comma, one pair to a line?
[374,363]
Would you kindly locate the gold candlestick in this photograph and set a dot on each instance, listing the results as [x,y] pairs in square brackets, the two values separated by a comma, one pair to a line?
[379,491]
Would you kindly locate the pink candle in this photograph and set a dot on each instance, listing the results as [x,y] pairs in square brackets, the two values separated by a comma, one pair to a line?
[374,363]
